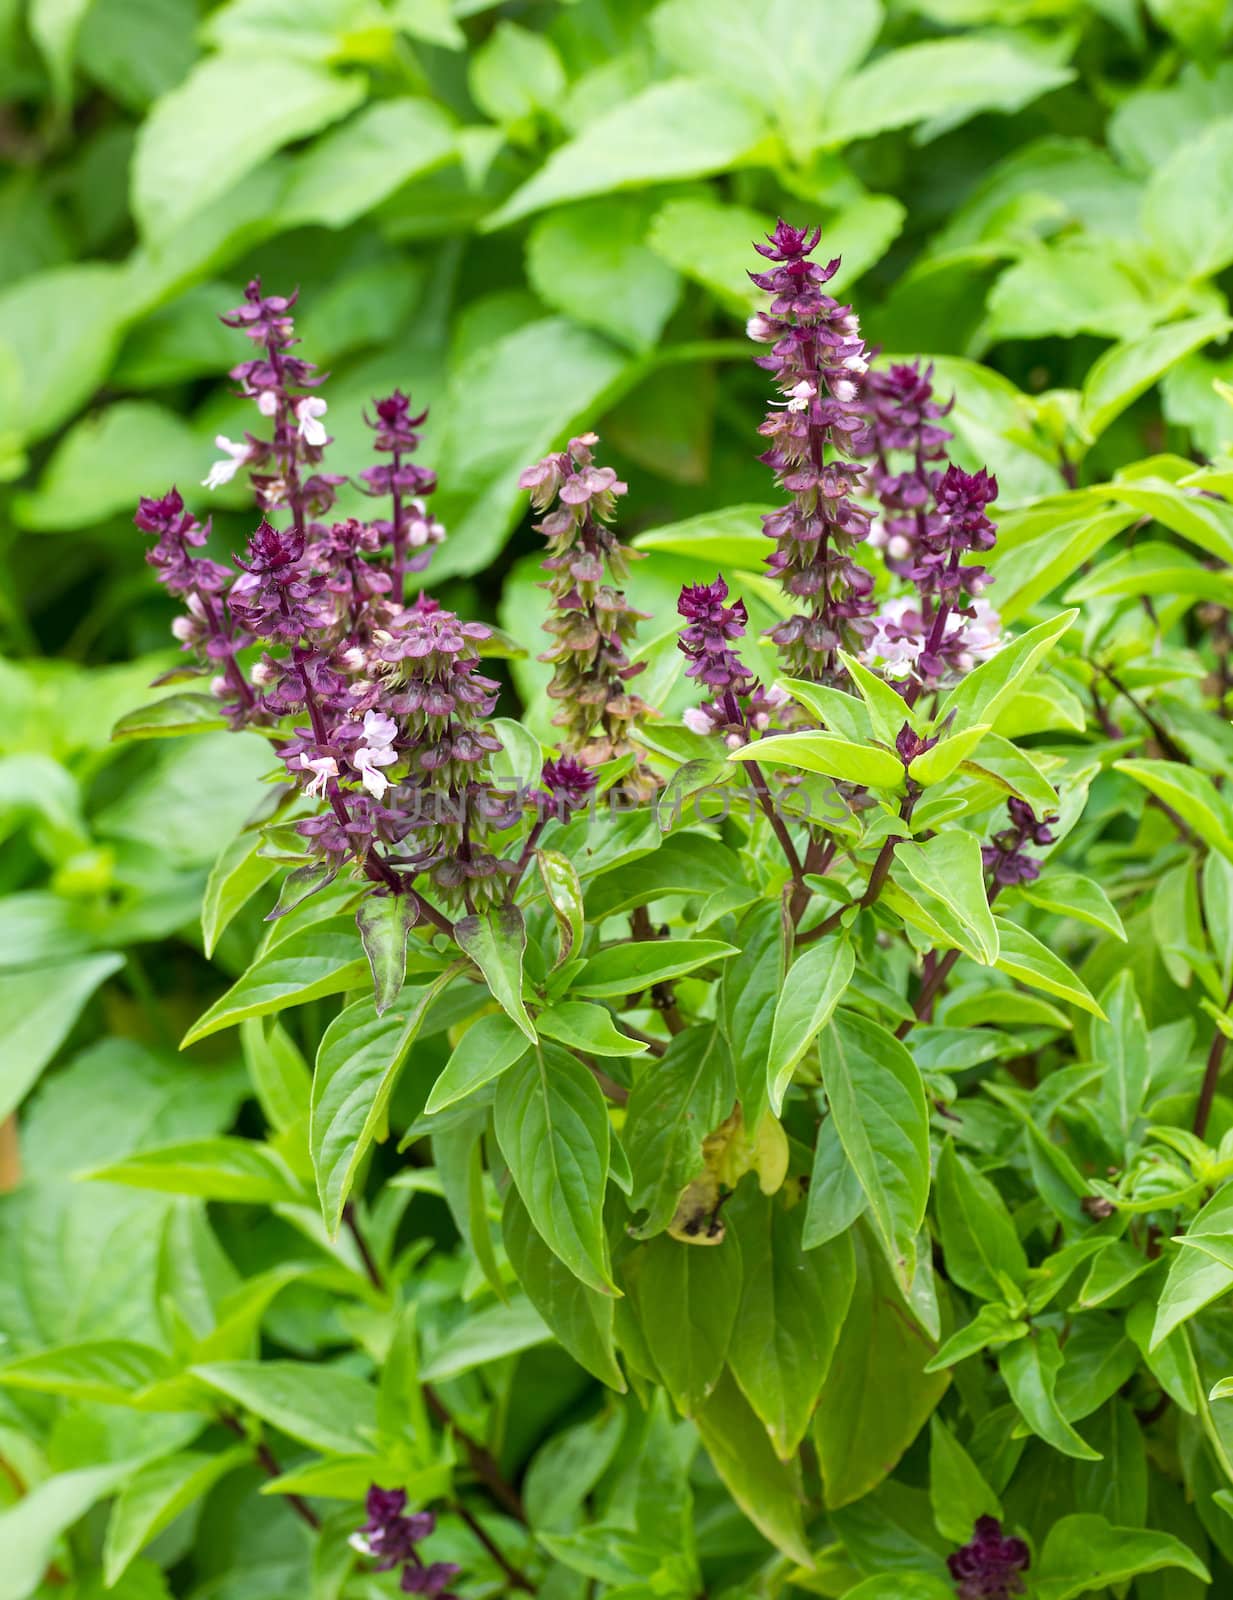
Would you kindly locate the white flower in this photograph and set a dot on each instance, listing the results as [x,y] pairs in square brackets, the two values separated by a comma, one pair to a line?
[357,1541]
[761,328]
[219,687]
[844,390]
[183,629]
[324,768]
[734,741]
[697,720]
[898,547]
[234,456]
[856,363]
[877,533]
[423,530]
[352,659]
[801,396]
[379,729]
[851,325]
[380,732]
[776,695]
[267,402]
[266,672]
[982,635]
[310,410]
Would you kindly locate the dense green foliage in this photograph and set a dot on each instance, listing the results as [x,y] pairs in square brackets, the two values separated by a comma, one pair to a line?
[717,1217]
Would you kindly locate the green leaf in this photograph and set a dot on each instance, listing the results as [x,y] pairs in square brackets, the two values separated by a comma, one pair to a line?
[239,1170]
[38,1008]
[1190,793]
[629,968]
[300,884]
[109,1371]
[1120,1042]
[790,55]
[590,262]
[949,867]
[322,1407]
[100,467]
[1031,571]
[765,1488]
[579,1317]
[675,1103]
[1195,1278]
[31,1526]
[729,537]
[687,1297]
[229,114]
[496,943]
[957,1491]
[586,1028]
[679,129]
[385,921]
[280,1076]
[321,960]
[234,878]
[1207,523]
[793,1305]
[993,685]
[1030,1367]
[814,986]
[878,1102]
[155,1496]
[1125,371]
[514,74]
[823,752]
[358,1062]
[564,891]
[1197,180]
[936,764]
[1072,895]
[1004,764]
[902,1586]
[489,1047]
[1082,1553]
[748,999]
[61,328]
[942,81]
[552,1126]
[356,166]
[835,1197]
[488,1335]
[878,1393]
[888,710]
[1024,957]
[528,385]
[978,1236]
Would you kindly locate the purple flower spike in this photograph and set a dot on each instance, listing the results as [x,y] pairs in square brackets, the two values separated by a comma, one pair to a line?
[990,1565]
[1004,858]
[431,1580]
[818,360]
[568,782]
[904,439]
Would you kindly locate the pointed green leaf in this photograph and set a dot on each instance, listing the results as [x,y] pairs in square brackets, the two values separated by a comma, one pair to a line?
[358,1063]
[814,986]
[878,1102]
[552,1126]
[489,1047]
[384,921]
[496,943]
